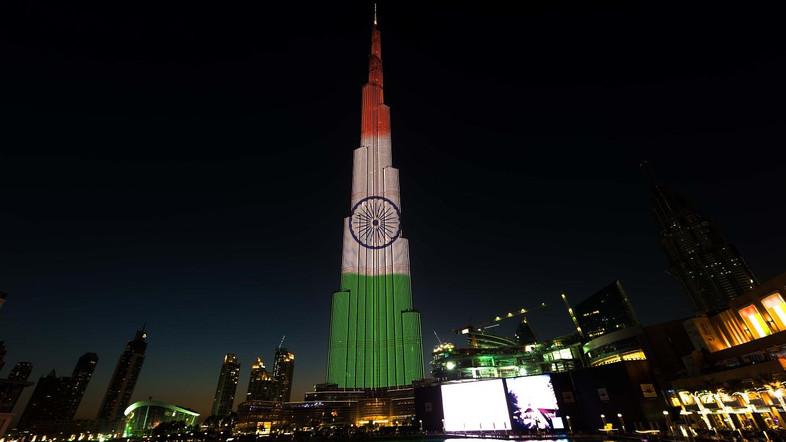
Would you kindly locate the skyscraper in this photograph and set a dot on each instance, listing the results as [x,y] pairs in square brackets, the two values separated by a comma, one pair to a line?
[83,372]
[283,368]
[48,401]
[709,270]
[606,311]
[121,387]
[11,389]
[21,371]
[261,384]
[227,386]
[375,336]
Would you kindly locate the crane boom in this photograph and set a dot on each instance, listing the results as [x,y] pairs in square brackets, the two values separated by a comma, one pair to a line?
[472,327]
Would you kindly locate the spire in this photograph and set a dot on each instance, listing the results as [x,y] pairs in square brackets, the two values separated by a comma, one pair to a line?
[375,14]
[375,59]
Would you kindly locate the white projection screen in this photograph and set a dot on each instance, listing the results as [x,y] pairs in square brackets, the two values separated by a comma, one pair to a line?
[533,403]
[475,406]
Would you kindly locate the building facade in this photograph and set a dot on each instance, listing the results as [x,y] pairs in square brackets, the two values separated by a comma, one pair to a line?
[709,270]
[375,335]
[283,369]
[124,379]
[83,372]
[261,384]
[224,400]
[49,401]
[606,311]
[10,390]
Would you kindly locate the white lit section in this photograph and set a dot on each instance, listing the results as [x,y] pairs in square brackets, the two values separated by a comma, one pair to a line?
[775,306]
[533,403]
[475,406]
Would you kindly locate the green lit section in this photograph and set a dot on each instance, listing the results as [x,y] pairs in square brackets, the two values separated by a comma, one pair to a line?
[375,336]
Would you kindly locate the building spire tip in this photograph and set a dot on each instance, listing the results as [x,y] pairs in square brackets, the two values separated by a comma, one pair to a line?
[375,14]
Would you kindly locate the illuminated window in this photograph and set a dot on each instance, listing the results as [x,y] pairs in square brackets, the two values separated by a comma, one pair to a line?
[754,321]
[776,308]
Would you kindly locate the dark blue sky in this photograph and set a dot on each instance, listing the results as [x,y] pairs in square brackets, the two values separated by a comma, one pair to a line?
[191,168]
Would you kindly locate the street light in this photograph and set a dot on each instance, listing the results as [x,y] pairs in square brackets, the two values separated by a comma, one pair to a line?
[570,427]
[668,422]
[622,422]
[603,418]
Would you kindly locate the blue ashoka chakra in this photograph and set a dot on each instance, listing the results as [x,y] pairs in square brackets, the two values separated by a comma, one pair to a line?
[375,222]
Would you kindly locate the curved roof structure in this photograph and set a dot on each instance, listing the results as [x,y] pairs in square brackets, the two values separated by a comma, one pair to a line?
[140,404]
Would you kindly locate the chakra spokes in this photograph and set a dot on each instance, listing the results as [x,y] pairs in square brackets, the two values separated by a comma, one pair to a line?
[375,222]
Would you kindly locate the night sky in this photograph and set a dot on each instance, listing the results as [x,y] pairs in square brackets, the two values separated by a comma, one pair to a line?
[191,167]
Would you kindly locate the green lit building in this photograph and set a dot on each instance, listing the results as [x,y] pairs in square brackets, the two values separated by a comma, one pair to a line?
[375,336]
[143,417]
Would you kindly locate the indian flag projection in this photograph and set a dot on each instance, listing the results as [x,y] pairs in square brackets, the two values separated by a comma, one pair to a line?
[375,336]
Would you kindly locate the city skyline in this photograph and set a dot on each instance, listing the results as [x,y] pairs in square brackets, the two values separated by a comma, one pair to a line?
[155,207]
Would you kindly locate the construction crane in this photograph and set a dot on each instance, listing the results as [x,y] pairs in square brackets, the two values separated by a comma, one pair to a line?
[472,329]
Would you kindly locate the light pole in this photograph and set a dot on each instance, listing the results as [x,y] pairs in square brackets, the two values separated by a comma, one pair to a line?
[622,422]
[570,426]
[668,422]
[603,418]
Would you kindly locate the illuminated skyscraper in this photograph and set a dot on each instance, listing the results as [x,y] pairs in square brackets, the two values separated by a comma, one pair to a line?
[283,369]
[121,387]
[81,376]
[261,384]
[709,270]
[606,311]
[227,386]
[375,336]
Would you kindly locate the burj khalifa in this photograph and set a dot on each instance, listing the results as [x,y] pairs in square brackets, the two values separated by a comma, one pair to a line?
[375,335]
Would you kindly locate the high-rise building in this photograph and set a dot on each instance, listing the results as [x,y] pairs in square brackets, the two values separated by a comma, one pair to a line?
[83,372]
[261,384]
[11,388]
[121,387]
[709,270]
[606,311]
[48,401]
[227,386]
[21,371]
[283,368]
[375,335]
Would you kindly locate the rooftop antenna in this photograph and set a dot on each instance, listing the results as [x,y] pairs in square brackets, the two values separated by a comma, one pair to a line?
[375,14]
[144,325]
[282,342]
[648,173]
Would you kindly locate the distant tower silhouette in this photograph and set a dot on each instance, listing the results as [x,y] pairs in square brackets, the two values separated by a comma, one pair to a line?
[227,386]
[21,371]
[48,401]
[261,384]
[83,372]
[121,387]
[709,270]
[283,368]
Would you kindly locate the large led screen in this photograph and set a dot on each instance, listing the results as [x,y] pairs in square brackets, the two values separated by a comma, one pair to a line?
[475,406]
[533,404]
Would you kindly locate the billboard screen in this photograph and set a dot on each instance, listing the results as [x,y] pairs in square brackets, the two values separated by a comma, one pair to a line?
[532,403]
[475,406]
